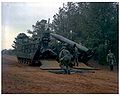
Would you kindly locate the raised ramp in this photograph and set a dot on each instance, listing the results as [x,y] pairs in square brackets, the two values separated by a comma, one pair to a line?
[49,64]
[54,65]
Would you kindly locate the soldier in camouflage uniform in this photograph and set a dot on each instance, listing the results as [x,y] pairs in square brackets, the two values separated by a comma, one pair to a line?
[65,60]
[111,60]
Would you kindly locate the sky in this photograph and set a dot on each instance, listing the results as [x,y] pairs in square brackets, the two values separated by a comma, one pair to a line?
[18,17]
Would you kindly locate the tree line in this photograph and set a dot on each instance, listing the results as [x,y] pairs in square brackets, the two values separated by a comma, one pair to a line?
[95,25]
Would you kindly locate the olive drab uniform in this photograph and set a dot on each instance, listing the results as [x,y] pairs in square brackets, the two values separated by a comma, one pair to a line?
[75,56]
[65,59]
[111,60]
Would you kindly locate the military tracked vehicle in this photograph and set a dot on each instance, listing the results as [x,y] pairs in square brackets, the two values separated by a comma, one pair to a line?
[29,51]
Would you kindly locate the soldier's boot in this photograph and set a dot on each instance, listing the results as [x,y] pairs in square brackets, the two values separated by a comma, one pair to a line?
[65,71]
[111,67]
[68,70]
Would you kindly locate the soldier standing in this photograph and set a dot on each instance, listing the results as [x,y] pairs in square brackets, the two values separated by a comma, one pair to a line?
[75,55]
[65,60]
[111,60]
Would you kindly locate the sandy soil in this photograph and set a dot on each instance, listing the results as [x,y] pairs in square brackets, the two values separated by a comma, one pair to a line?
[18,78]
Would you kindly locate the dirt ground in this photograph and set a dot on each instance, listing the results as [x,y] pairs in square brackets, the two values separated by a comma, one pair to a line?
[19,79]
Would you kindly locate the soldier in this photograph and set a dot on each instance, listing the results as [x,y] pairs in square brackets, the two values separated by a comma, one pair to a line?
[65,60]
[75,55]
[111,60]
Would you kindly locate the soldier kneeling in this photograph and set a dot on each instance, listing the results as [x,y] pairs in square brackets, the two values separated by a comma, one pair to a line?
[65,60]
